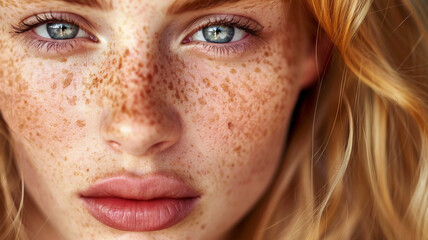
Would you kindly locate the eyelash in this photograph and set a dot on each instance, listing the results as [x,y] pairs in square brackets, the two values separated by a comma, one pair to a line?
[59,46]
[249,26]
[51,45]
[232,21]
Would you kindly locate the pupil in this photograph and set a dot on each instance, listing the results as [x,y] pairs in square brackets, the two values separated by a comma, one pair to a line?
[62,31]
[218,34]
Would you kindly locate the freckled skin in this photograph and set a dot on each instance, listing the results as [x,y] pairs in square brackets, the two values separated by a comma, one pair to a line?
[140,102]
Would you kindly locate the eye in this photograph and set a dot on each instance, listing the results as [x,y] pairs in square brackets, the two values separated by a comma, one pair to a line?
[219,34]
[60,31]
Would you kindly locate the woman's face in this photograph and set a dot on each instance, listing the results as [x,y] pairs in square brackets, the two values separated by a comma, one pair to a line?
[181,106]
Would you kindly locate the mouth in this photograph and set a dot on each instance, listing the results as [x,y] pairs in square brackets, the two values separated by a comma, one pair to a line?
[151,203]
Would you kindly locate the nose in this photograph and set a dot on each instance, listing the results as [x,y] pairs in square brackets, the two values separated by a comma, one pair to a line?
[145,129]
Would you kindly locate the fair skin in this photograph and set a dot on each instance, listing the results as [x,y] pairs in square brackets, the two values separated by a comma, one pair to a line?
[140,100]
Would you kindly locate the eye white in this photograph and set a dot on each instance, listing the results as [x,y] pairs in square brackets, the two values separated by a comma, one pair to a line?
[239,35]
[42,31]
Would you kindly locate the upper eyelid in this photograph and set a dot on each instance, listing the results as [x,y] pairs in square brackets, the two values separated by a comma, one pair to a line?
[46,17]
[215,18]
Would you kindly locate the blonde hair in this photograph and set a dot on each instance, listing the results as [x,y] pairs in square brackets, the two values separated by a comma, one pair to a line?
[364,175]
[356,161]
[11,191]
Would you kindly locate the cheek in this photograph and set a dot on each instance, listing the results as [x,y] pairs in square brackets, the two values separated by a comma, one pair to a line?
[239,113]
[247,102]
[42,106]
[245,116]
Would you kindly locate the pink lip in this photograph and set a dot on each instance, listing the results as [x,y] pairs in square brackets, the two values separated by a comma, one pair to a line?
[150,203]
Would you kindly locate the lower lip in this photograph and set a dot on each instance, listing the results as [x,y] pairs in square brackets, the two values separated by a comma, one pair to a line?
[139,215]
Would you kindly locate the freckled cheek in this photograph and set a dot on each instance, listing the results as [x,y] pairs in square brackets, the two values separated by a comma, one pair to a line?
[42,107]
[244,122]
[243,105]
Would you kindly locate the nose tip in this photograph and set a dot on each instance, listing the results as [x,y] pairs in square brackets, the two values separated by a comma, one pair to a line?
[140,136]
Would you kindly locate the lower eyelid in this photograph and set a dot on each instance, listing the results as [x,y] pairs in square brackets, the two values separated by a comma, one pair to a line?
[229,50]
[53,48]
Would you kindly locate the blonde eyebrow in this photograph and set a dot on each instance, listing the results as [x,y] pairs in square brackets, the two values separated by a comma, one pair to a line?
[180,6]
[97,4]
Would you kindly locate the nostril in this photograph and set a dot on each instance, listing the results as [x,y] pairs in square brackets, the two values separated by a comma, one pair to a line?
[115,145]
[135,136]
[158,147]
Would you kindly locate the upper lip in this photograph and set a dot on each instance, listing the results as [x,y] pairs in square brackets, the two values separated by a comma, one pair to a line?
[150,187]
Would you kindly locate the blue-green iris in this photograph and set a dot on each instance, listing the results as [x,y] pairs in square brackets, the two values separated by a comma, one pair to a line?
[61,31]
[218,34]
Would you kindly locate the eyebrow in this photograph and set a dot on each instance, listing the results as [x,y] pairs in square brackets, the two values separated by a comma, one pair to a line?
[179,7]
[91,3]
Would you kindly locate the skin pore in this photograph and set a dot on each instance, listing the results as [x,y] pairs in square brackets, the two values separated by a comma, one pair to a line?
[139,96]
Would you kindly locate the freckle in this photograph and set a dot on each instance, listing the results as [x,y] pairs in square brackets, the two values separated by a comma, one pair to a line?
[177,95]
[206,81]
[67,81]
[233,71]
[149,77]
[170,86]
[202,101]
[80,123]
[237,149]
[257,70]
[53,86]
[244,65]
[63,60]
[226,88]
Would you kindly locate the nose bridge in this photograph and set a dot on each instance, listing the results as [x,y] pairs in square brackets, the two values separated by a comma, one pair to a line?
[138,122]
[134,66]
[140,100]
